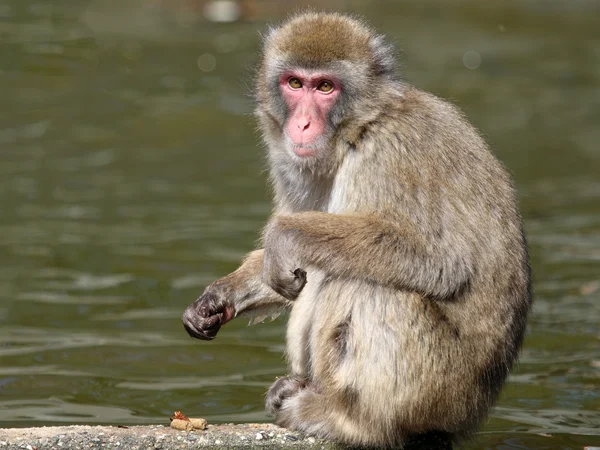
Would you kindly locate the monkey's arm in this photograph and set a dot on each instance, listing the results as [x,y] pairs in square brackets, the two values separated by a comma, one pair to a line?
[241,293]
[364,247]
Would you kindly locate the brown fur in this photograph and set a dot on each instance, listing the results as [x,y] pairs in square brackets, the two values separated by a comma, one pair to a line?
[411,304]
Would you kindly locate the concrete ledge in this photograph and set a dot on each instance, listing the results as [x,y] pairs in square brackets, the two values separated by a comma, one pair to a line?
[156,437]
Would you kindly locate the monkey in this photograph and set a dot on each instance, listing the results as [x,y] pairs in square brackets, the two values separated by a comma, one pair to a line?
[395,242]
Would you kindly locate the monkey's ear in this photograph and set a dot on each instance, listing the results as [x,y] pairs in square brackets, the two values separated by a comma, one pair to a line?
[384,57]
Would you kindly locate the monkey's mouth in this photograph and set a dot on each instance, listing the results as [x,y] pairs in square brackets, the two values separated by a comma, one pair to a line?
[304,150]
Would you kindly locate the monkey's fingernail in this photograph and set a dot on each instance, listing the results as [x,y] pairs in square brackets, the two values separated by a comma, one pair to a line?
[299,273]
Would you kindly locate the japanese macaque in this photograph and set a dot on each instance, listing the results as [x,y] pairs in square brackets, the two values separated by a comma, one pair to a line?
[395,240]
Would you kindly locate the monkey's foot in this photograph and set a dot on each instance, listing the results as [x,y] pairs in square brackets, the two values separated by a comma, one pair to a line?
[283,388]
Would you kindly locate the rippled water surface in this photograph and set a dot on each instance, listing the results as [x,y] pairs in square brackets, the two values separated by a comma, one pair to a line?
[131,176]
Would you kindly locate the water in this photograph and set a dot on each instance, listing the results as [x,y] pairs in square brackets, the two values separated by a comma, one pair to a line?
[131,177]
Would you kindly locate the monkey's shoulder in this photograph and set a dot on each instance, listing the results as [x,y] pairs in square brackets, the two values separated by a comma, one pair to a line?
[420,136]
[419,113]
[413,121]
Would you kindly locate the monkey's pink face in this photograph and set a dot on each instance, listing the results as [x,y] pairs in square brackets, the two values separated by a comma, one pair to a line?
[309,97]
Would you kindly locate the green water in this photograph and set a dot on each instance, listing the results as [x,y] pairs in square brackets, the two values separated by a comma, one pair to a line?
[131,176]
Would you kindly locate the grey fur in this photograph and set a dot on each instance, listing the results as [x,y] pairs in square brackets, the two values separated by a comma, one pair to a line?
[417,287]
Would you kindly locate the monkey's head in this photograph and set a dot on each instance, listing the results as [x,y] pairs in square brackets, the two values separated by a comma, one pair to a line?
[318,72]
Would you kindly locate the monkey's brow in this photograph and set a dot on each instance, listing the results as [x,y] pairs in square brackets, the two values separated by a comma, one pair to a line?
[311,75]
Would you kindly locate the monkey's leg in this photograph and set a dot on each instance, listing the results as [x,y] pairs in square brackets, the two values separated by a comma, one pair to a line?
[379,365]
[240,293]
[315,414]
[298,347]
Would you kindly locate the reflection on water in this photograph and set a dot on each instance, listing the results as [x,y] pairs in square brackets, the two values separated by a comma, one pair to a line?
[131,177]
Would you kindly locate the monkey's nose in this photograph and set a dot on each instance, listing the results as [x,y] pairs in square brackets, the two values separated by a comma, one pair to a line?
[303,124]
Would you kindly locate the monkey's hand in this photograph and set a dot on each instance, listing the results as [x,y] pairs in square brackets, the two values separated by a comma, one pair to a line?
[283,388]
[282,270]
[203,318]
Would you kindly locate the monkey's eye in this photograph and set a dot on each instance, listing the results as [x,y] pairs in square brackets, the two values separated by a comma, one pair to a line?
[295,83]
[325,86]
